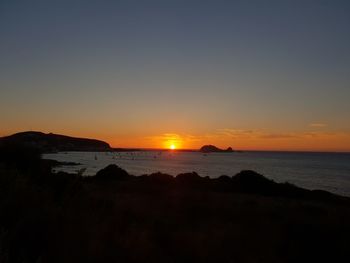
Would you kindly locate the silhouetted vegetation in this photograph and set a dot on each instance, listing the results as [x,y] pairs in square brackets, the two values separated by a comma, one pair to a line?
[112,172]
[117,217]
[20,156]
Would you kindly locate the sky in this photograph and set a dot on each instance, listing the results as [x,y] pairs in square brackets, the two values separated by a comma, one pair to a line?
[253,75]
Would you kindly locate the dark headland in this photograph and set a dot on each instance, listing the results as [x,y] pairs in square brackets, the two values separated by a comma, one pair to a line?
[117,217]
[54,142]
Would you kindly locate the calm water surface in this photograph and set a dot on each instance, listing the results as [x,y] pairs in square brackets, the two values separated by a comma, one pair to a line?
[327,171]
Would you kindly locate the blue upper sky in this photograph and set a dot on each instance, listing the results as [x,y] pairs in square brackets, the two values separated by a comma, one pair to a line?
[185,67]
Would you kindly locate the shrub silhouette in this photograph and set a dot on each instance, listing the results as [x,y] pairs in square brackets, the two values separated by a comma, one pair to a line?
[189,178]
[161,178]
[112,172]
[20,156]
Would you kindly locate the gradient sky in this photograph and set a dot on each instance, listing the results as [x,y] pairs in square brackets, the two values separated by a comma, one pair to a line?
[267,75]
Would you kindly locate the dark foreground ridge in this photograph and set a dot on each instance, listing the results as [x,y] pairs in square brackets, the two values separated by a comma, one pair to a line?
[246,181]
[53,142]
[116,217]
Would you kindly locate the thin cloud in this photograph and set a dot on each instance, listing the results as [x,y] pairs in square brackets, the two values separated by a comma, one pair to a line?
[317,125]
[280,136]
[237,133]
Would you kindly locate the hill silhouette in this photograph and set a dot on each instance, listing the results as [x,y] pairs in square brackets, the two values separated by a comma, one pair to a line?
[52,142]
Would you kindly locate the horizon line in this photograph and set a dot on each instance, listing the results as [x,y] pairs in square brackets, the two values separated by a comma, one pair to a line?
[234,150]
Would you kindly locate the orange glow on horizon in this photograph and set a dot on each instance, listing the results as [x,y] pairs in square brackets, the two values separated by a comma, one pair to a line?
[316,141]
[306,140]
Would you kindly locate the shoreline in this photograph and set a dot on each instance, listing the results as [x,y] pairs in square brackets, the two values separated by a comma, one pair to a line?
[311,171]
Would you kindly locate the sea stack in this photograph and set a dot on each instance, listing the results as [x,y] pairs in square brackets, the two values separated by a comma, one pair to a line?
[212,148]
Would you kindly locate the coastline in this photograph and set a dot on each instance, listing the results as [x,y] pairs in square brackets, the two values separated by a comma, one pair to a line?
[312,171]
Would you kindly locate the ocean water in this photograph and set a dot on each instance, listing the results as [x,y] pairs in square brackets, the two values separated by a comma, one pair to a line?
[326,171]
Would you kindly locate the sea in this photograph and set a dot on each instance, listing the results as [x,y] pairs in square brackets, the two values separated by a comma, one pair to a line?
[325,171]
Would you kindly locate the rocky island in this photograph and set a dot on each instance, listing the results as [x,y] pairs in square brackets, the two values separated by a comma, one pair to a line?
[213,149]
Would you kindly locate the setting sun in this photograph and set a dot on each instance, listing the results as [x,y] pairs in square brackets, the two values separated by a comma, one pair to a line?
[170,141]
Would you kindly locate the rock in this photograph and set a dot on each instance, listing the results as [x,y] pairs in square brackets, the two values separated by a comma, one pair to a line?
[212,148]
